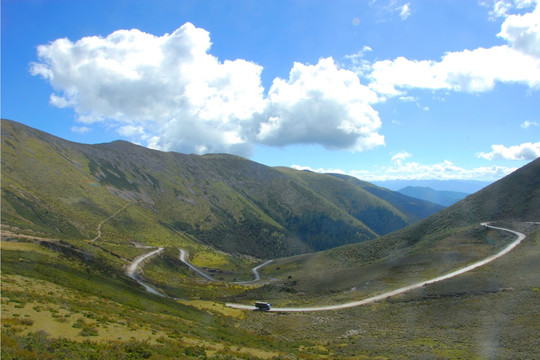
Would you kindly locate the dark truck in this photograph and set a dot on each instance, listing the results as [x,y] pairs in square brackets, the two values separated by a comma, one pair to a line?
[261,305]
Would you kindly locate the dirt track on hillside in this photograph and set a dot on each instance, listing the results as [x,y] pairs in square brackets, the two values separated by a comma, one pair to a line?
[507,249]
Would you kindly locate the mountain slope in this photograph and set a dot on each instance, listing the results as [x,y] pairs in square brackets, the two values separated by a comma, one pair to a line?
[412,207]
[63,190]
[466,186]
[444,198]
[514,197]
[434,246]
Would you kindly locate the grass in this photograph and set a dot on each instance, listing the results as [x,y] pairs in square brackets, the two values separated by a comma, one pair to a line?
[490,312]
[79,310]
[52,300]
[64,190]
[349,274]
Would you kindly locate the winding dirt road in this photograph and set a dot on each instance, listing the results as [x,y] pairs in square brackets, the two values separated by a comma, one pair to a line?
[110,217]
[132,271]
[401,290]
[255,270]
[193,267]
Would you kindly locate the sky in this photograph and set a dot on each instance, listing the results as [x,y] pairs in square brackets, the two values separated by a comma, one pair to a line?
[377,89]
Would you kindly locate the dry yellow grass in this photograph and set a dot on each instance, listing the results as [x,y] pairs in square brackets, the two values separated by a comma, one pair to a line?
[214,347]
[57,321]
[27,246]
[214,307]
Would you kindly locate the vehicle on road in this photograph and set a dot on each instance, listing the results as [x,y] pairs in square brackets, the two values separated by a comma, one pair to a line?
[261,305]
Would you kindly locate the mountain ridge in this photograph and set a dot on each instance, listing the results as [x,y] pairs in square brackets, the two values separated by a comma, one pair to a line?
[466,186]
[441,197]
[221,200]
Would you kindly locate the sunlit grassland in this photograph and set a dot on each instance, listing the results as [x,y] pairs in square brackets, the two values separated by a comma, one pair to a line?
[490,312]
[169,274]
[348,273]
[51,301]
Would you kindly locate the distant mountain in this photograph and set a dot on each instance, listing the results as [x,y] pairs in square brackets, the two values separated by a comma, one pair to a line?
[444,198]
[447,240]
[62,189]
[514,197]
[414,207]
[465,186]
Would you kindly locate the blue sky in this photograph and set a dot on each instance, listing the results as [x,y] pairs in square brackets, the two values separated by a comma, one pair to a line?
[380,89]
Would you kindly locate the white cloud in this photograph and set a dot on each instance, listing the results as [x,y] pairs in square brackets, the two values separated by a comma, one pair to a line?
[399,157]
[390,8]
[80,129]
[527,124]
[401,170]
[405,11]
[168,87]
[171,93]
[475,70]
[388,76]
[502,8]
[408,98]
[319,170]
[131,131]
[523,32]
[526,151]
[445,170]
[321,104]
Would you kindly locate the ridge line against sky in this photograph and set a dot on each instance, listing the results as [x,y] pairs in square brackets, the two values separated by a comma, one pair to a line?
[383,90]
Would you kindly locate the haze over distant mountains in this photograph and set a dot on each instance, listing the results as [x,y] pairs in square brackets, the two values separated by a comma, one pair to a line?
[444,198]
[465,186]
[451,235]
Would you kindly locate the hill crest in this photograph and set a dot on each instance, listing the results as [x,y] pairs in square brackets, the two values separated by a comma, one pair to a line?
[62,188]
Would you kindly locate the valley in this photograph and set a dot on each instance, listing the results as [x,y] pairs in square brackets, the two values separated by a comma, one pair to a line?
[387,294]
[134,253]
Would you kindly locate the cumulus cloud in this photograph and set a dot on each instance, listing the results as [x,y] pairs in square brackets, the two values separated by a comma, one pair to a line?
[523,32]
[526,151]
[172,94]
[320,104]
[476,70]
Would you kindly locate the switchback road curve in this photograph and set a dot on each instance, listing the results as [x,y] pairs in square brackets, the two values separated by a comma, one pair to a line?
[401,290]
[132,271]
[255,270]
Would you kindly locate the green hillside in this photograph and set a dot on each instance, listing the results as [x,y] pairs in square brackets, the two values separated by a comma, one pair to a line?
[75,216]
[442,242]
[413,208]
[444,198]
[63,190]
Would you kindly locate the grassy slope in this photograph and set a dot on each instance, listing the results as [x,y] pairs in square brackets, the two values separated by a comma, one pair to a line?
[445,198]
[48,295]
[489,313]
[445,241]
[63,190]
[415,209]
[379,215]
[45,287]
